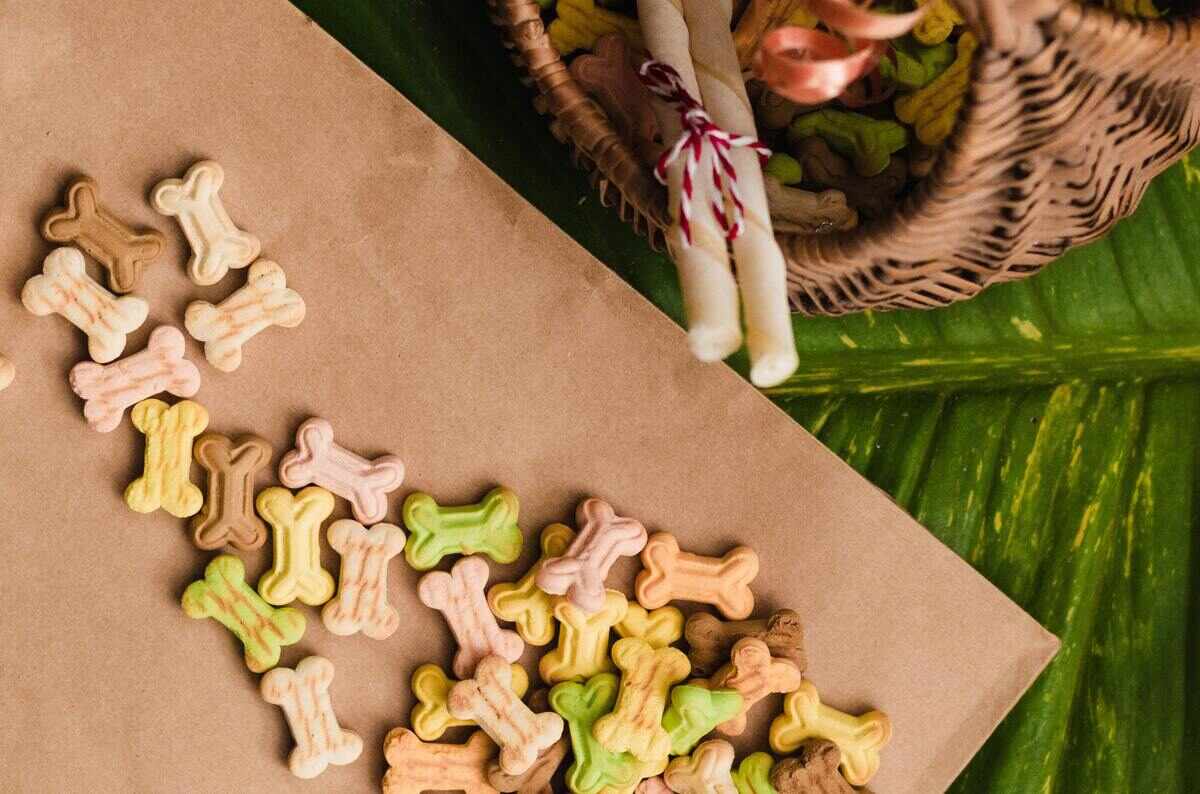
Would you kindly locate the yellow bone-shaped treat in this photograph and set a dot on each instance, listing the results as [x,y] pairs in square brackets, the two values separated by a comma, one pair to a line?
[933,109]
[166,471]
[526,604]
[431,687]
[659,627]
[939,21]
[295,530]
[859,738]
[582,650]
[635,725]
[581,22]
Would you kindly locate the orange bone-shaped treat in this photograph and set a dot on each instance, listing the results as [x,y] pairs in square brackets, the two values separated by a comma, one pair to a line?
[755,674]
[671,574]
[418,766]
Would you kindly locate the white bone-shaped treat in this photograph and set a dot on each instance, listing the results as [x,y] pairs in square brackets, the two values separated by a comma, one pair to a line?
[303,694]
[264,301]
[604,537]
[108,389]
[673,575]
[65,288]
[7,373]
[488,699]
[217,244]
[318,459]
[459,596]
[706,771]
[361,603]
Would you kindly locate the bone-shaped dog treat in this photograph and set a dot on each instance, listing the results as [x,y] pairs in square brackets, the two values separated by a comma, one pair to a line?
[166,469]
[695,711]
[858,738]
[604,538]
[582,650]
[7,373]
[710,639]
[224,596]
[660,628]
[303,694]
[754,674]
[228,514]
[609,75]
[296,540]
[361,603]
[431,687]
[123,252]
[813,770]
[535,780]
[526,604]
[489,527]
[217,244]
[706,771]
[594,769]
[264,301]
[488,699]
[417,767]
[364,483]
[635,725]
[458,595]
[671,574]
[753,775]
[108,389]
[653,785]
[65,288]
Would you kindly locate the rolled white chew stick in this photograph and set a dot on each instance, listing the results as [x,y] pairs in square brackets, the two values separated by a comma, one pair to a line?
[762,273]
[710,294]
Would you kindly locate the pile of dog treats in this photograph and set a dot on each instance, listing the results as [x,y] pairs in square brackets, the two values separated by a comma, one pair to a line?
[623,716]
[871,144]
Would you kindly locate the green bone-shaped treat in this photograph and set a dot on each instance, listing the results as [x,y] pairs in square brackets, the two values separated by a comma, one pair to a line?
[868,142]
[694,713]
[753,775]
[489,527]
[595,768]
[914,65]
[224,596]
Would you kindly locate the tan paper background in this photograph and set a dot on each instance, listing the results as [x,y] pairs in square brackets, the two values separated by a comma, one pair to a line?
[449,323]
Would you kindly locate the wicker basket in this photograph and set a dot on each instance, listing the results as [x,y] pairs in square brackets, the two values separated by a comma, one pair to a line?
[1072,111]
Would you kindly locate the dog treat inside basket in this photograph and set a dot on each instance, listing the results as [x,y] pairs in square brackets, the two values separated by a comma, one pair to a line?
[900,151]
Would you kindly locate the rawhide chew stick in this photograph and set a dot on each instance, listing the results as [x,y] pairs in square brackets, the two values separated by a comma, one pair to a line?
[761,270]
[709,291]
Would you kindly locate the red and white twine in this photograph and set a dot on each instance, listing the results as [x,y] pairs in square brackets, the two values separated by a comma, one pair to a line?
[699,131]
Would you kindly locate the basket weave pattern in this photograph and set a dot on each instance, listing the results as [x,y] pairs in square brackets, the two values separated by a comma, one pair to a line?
[1071,113]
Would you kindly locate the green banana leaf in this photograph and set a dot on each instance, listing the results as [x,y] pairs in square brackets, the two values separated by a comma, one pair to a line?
[1046,431]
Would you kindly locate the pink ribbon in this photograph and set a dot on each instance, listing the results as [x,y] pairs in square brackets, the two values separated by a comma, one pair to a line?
[810,66]
[699,131]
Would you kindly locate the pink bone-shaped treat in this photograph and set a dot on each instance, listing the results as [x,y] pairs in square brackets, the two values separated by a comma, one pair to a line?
[108,389]
[459,596]
[318,460]
[604,538]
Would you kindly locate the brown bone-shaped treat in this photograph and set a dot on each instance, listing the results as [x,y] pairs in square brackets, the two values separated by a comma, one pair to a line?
[535,780]
[710,639]
[873,196]
[609,75]
[418,766]
[228,514]
[813,770]
[123,252]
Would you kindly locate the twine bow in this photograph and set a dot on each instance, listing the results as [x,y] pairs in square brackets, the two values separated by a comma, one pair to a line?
[699,131]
